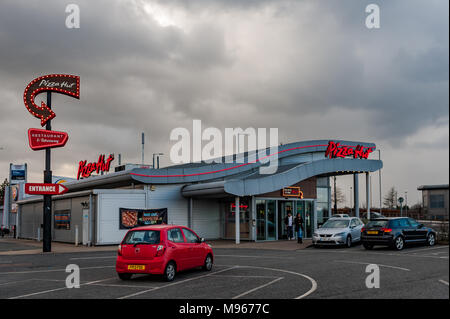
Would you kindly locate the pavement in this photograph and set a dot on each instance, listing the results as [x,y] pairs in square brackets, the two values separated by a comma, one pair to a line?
[11,246]
[238,273]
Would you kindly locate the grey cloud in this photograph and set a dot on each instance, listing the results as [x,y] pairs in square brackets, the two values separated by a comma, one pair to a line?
[310,68]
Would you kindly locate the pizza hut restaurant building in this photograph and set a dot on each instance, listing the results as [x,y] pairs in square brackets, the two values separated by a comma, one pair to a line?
[218,200]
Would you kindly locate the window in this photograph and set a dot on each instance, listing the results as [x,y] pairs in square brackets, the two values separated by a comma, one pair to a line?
[413,222]
[190,236]
[377,223]
[354,223]
[336,223]
[322,194]
[142,236]
[403,223]
[394,223]
[437,201]
[175,236]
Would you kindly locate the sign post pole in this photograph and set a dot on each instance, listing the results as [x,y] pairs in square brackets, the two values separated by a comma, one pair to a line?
[47,238]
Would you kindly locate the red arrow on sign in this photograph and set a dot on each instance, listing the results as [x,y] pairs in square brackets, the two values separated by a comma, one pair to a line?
[40,139]
[45,189]
[59,83]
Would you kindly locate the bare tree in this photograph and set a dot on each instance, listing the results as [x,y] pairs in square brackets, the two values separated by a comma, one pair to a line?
[2,190]
[390,200]
[340,197]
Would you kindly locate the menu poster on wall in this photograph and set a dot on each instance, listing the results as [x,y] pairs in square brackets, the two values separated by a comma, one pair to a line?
[62,219]
[130,217]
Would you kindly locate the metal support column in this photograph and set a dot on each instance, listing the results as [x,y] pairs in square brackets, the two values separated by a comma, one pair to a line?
[356,193]
[368,194]
[190,204]
[237,220]
[47,218]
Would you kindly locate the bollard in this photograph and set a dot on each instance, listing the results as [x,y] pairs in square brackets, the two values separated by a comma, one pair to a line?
[76,235]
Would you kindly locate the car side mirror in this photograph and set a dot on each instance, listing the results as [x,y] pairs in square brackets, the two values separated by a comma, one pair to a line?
[202,240]
[420,226]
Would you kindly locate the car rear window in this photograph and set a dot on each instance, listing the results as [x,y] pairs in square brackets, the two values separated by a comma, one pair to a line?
[377,223]
[142,237]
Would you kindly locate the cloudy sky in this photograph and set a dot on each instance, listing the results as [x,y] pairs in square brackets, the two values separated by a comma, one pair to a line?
[310,68]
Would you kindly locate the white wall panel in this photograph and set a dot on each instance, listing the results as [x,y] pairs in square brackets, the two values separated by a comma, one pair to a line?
[206,218]
[108,215]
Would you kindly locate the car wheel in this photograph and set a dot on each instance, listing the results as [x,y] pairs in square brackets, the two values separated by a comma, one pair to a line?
[170,271]
[431,239]
[367,246]
[125,276]
[208,263]
[348,241]
[399,243]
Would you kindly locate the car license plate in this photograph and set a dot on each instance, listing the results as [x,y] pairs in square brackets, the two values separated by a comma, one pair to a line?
[136,267]
[372,232]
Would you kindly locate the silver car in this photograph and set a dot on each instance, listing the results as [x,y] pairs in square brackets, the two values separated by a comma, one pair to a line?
[338,231]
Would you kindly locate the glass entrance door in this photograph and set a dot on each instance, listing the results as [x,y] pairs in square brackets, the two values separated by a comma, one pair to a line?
[271,210]
[305,208]
[308,219]
[284,207]
[265,219]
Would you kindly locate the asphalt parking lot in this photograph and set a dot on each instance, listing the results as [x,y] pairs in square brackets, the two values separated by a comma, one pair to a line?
[416,272]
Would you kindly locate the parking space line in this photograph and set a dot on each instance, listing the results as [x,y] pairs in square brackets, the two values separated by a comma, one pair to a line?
[313,282]
[250,256]
[257,288]
[14,282]
[117,285]
[50,270]
[233,276]
[383,254]
[363,263]
[443,281]
[174,283]
[426,249]
[99,257]
[56,289]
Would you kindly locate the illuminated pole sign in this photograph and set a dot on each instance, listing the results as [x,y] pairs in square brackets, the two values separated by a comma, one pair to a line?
[59,83]
[86,169]
[335,150]
[40,139]
[46,139]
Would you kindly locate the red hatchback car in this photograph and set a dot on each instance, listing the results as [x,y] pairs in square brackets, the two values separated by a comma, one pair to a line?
[163,250]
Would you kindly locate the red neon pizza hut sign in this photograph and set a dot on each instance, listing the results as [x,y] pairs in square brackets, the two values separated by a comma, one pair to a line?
[86,169]
[336,150]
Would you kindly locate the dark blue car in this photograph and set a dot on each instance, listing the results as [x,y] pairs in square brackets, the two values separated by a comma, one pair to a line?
[396,232]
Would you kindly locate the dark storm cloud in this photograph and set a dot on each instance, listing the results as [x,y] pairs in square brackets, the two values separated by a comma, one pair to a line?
[310,68]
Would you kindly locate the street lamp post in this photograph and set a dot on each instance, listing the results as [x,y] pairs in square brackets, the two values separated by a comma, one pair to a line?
[351,205]
[406,203]
[379,177]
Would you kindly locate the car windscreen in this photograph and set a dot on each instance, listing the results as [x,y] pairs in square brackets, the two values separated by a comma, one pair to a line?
[142,237]
[377,223]
[335,223]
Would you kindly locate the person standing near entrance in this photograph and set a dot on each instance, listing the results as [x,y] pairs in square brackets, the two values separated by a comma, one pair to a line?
[289,222]
[298,223]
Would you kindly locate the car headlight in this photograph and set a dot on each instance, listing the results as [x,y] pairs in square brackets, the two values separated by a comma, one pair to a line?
[339,234]
[316,235]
